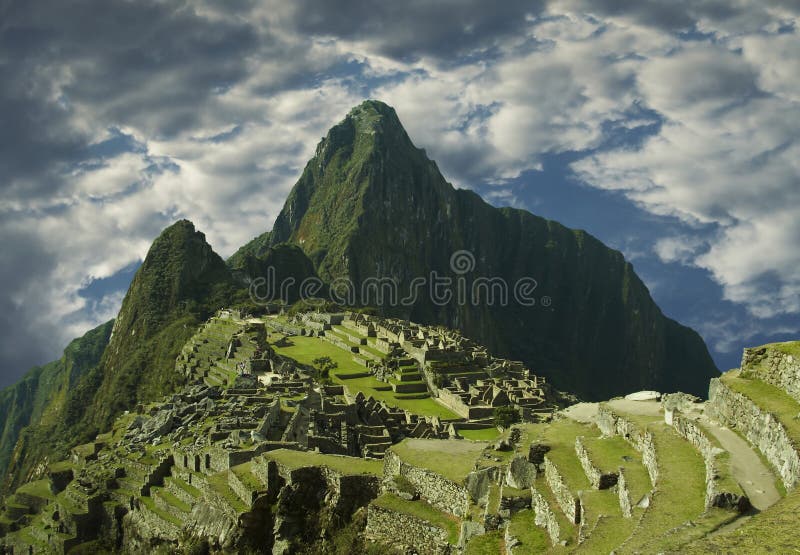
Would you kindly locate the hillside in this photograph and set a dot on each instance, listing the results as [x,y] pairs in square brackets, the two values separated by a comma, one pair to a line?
[180,283]
[370,204]
[395,446]
[39,397]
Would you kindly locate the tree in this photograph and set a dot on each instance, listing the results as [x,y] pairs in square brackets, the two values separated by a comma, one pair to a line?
[324,367]
[505,416]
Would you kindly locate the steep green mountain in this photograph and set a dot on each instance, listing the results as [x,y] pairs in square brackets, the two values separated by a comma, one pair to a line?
[181,282]
[40,396]
[371,204]
[280,264]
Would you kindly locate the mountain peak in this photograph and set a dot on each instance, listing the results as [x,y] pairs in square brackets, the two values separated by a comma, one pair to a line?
[373,114]
[371,126]
[372,205]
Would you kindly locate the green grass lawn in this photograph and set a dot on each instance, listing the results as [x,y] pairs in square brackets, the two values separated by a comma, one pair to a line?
[560,436]
[60,466]
[491,543]
[170,499]
[532,538]
[610,453]
[245,474]
[773,531]
[568,530]
[450,458]
[680,493]
[424,511]
[305,349]
[188,488]
[219,482]
[339,463]
[151,505]
[769,398]
[489,434]
[607,527]
[38,488]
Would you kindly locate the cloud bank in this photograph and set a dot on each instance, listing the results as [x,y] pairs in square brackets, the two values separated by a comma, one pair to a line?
[116,118]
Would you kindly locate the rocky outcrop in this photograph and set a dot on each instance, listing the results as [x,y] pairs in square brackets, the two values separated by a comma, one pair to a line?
[520,473]
[313,500]
[762,429]
[351,214]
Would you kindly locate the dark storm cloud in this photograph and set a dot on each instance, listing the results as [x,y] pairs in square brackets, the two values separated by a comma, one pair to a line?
[69,70]
[153,62]
[406,30]
[23,263]
[684,15]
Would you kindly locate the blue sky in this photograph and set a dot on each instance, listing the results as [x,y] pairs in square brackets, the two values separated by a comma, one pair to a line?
[667,129]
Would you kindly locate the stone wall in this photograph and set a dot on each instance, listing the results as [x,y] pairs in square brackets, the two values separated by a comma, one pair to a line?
[770,365]
[384,525]
[611,424]
[453,402]
[314,495]
[440,492]
[624,493]
[760,428]
[545,517]
[569,503]
[598,478]
[712,454]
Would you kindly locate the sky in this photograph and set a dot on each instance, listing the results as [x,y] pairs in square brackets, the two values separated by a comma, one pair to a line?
[669,129]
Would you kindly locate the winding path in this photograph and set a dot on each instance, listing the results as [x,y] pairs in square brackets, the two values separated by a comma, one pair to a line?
[747,468]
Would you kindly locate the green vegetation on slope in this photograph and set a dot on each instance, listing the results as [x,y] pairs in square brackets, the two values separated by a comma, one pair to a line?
[350,213]
[773,531]
[306,349]
[39,398]
[180,284]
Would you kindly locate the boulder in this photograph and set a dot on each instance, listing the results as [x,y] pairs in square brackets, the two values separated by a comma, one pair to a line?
[643,396]
[520,473]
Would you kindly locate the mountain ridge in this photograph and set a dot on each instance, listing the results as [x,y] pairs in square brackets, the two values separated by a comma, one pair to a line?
[371,204]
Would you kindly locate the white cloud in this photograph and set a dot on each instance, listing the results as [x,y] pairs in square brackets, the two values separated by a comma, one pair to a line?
[681,249]
[227,107]
[728,155]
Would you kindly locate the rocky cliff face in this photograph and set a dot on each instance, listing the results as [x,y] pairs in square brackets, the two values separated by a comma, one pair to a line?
[370,204]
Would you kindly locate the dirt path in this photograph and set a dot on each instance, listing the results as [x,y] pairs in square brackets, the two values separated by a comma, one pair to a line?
[643,408]
[755,478]
[582,412]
